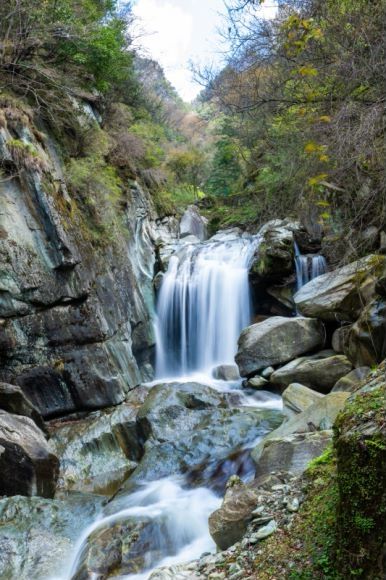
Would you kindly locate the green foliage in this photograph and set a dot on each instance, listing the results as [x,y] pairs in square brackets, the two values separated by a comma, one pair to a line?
[97,189]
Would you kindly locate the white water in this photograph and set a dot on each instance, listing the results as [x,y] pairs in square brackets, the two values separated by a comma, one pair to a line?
[203,305]
[183,514]
[308,267]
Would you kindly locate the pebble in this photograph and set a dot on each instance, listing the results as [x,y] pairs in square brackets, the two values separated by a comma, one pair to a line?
[267,530]
[293,505]
[262,520]
[259,510]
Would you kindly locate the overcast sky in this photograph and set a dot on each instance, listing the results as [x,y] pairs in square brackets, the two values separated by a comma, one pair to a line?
[179,31]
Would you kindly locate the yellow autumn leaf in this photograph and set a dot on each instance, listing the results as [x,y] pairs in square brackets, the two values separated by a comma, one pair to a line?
[325,215]
[324,158]
[307,71]
[311,147]
[317,179]
[323,203]
[325,118]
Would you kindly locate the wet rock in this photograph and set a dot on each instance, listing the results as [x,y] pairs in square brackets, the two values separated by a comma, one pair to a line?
[99,452]
[266,531]
[125,547]
[297,398]
[185,425]
[274,256]
[366,342]
[257,383]
[319,372]
[37,535]
[340,294]
[350,382]
[283,294]
[276,341]
[267,372]
[193,223]
[226,373]
[228,524]
[339,339]
[291,452]
[319,416]
[27,466]
[13,400]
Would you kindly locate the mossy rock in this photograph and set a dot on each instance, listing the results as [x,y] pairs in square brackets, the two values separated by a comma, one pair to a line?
[360,443]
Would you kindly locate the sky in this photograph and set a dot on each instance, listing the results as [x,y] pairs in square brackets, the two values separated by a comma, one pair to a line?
[177,32]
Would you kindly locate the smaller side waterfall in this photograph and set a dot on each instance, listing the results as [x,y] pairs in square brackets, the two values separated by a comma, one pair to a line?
[308,267]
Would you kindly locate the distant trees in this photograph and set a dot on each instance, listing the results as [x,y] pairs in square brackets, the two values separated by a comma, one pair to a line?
[305,94]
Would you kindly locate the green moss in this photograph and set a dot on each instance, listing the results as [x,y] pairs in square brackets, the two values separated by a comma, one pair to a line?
[25,156]
[360,441]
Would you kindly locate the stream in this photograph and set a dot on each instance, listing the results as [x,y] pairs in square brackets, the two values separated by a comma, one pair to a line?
[203,304]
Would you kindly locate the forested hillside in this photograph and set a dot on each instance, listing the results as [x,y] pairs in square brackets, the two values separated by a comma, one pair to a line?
[302,128]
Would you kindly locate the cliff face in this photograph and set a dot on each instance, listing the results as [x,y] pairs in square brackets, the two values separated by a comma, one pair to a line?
[75,329]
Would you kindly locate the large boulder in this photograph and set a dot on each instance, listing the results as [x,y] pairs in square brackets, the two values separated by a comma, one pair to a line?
[320,371]
[350,382]
[228,524]
[297,398]
[184,425]
[192,223]
[366,340]
[291,452]
[38,536]
[27,465]
[98,452]
[318,417]
[13,400]
[274,257]
[340,294]
[276,341]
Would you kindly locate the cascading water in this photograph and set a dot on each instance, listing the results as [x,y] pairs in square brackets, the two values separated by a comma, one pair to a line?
[308,267]
[203,305]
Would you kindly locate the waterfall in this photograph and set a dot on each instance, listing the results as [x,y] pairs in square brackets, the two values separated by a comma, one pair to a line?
[203,305]
[308,267]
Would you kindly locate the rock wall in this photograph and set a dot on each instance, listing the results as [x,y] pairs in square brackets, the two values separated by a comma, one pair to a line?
[75,312]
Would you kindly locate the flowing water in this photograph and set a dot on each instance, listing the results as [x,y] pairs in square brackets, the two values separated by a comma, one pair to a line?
[308,267]
[203,305]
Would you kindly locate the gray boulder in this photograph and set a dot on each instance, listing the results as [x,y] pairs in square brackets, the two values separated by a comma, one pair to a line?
[366,341]
[297,398]
[318,417]
[189,424]
[193,223]
[274,257]
[257,383]
[99,452]
[340,338]
[226,373]
[290,453]
[350,382]
[228,524]
[319,372]
[37,536]
[276,341]
[340,294]
[27,465]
